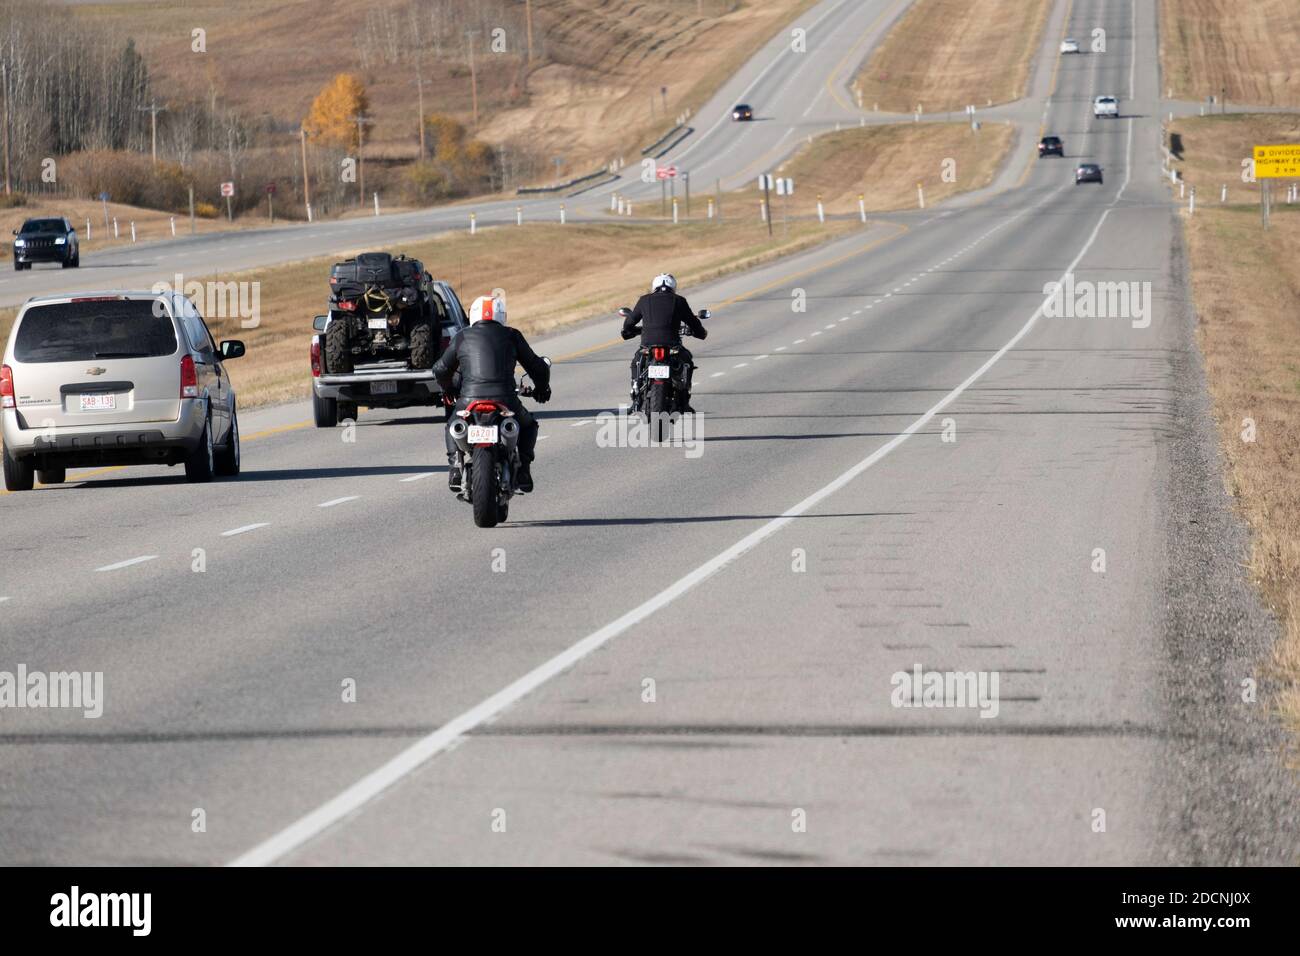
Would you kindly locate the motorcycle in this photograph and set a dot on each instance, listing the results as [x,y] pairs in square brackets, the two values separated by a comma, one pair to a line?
[661,373]
[487,436]
[661,376]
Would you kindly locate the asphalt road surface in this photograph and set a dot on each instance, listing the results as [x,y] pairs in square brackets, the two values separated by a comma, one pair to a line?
[770,582]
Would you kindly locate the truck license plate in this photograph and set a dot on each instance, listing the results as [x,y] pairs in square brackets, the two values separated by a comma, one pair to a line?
[383,388]
[482,435]
[98,403]
[658,371]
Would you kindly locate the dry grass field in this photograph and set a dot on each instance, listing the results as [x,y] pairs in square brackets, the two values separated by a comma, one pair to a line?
[1251,49]
[1246,284]
[884,164]
[587,97]
[945,54]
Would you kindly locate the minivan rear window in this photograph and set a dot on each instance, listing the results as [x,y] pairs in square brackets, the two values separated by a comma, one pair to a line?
[83,331]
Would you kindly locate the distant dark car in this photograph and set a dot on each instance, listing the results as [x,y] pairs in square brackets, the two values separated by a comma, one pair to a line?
[1051,146]
[1087,173]
[46,240]
[742,112]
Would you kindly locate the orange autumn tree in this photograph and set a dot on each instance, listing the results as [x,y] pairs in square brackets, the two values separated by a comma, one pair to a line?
[332,118]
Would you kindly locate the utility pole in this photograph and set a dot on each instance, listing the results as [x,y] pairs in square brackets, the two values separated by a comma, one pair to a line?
[419,85]
[306,180]
[153,109]
[4,82]
[473,76]
[361,176]
[528,15]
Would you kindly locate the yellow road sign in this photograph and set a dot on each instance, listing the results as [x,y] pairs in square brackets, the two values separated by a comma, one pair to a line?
[1277,162]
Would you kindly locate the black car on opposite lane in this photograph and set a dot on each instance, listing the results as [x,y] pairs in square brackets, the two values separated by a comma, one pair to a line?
[742,112]
[1087,173]
[46,240]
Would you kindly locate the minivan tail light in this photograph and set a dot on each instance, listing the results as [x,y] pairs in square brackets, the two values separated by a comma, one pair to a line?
[315,358]
[6,387]
[189,378]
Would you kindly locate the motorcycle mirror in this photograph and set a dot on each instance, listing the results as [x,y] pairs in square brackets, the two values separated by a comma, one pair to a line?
[625,311]
[547,361]
[705,313]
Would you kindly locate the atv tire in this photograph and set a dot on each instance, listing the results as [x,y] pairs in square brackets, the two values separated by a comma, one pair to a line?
[422,356]
[338,351]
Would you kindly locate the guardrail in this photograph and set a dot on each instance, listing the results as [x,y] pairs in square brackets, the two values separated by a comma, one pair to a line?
[533,190]
[668,140]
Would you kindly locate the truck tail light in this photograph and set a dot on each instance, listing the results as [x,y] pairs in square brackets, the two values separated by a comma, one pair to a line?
[315,358]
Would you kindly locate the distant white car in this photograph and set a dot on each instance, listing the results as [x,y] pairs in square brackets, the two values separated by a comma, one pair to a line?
[1069,45]
[1104,106]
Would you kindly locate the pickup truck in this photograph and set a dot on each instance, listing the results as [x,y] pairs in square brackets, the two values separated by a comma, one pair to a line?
[339,396]
[1105,106]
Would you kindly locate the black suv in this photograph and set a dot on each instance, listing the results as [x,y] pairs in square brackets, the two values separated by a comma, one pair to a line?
[1051,146]
[46,240]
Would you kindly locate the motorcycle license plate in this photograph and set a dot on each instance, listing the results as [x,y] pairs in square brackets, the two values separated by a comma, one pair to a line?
[482,435]
[379,324]
[658,371]
[98,403]
[383,388]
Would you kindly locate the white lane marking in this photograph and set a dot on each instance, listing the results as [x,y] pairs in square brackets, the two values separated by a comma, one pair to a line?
[421,475]
[831,326]
[818,332]
[585,421]
[779,348]
[759,358]
[427,747]
[845,319]
[338,501]
[717,375]
[740,365]
[128,562]
[3,599]
[244,529]
[799,341]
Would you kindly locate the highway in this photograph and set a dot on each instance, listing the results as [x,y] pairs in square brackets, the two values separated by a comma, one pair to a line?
[825,537]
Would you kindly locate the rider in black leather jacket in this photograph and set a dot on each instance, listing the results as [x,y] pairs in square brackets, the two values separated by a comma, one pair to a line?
[658,317]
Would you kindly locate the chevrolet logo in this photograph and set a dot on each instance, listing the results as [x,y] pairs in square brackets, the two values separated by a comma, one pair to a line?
[96,371]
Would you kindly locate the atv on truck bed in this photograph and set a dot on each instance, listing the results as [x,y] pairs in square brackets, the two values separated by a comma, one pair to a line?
[381,309]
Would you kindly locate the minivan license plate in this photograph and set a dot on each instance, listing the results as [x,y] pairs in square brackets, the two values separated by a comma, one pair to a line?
[98,403]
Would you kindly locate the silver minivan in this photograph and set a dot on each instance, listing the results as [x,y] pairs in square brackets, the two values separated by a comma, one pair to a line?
[115,378]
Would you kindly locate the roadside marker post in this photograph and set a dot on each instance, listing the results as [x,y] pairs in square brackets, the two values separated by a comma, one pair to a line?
[88,230]
[1191,203]
[376,204]
[821,210]
[473,223]
[862,206]
[115,227]
[173,220]
[920,195]
[133,230]
[519,215]
[1223,194]
[765,181]
[710,207]
[674,211]
[561,214]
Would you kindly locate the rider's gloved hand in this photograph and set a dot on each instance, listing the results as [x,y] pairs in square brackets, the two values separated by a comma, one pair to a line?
[542,394]
[629,333]
[448,399]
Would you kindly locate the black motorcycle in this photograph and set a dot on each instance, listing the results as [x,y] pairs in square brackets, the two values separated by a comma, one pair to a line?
[661,375]
[487,437]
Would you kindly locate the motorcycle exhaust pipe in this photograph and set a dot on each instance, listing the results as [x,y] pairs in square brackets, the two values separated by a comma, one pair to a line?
[459,429]
[509,429]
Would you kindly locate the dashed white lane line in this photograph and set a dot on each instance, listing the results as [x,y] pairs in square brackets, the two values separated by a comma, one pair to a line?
[800,341]
[779,348]
[831,326]
[541,438]
[423,474]
[3,599]
[585,421]
[759,358]
[818,332]
[244,529]
[128,562]
[717,375]
[740,365]
[338,501]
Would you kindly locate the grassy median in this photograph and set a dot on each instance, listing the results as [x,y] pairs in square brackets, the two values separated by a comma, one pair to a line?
[945,54]
[883,164]
[1246,284]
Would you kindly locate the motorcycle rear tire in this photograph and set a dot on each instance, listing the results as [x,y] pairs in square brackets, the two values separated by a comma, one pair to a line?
[483,488]
[656,405]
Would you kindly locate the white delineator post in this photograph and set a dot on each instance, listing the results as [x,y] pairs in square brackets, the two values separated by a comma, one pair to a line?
[1191,203]
[473,223]
[920,195]
[1223,193]
[762,211]
[376,204]
[562,220]
[309,212]
[133,230]
[710,207]
[613,201]
[114,227]
[674,212]
[862,206]
[88,230]
[821,210]
[519,215]
[629,207]
[173,227]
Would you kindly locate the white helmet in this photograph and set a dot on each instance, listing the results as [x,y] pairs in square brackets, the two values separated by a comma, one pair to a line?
[488,308]
[663,280]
